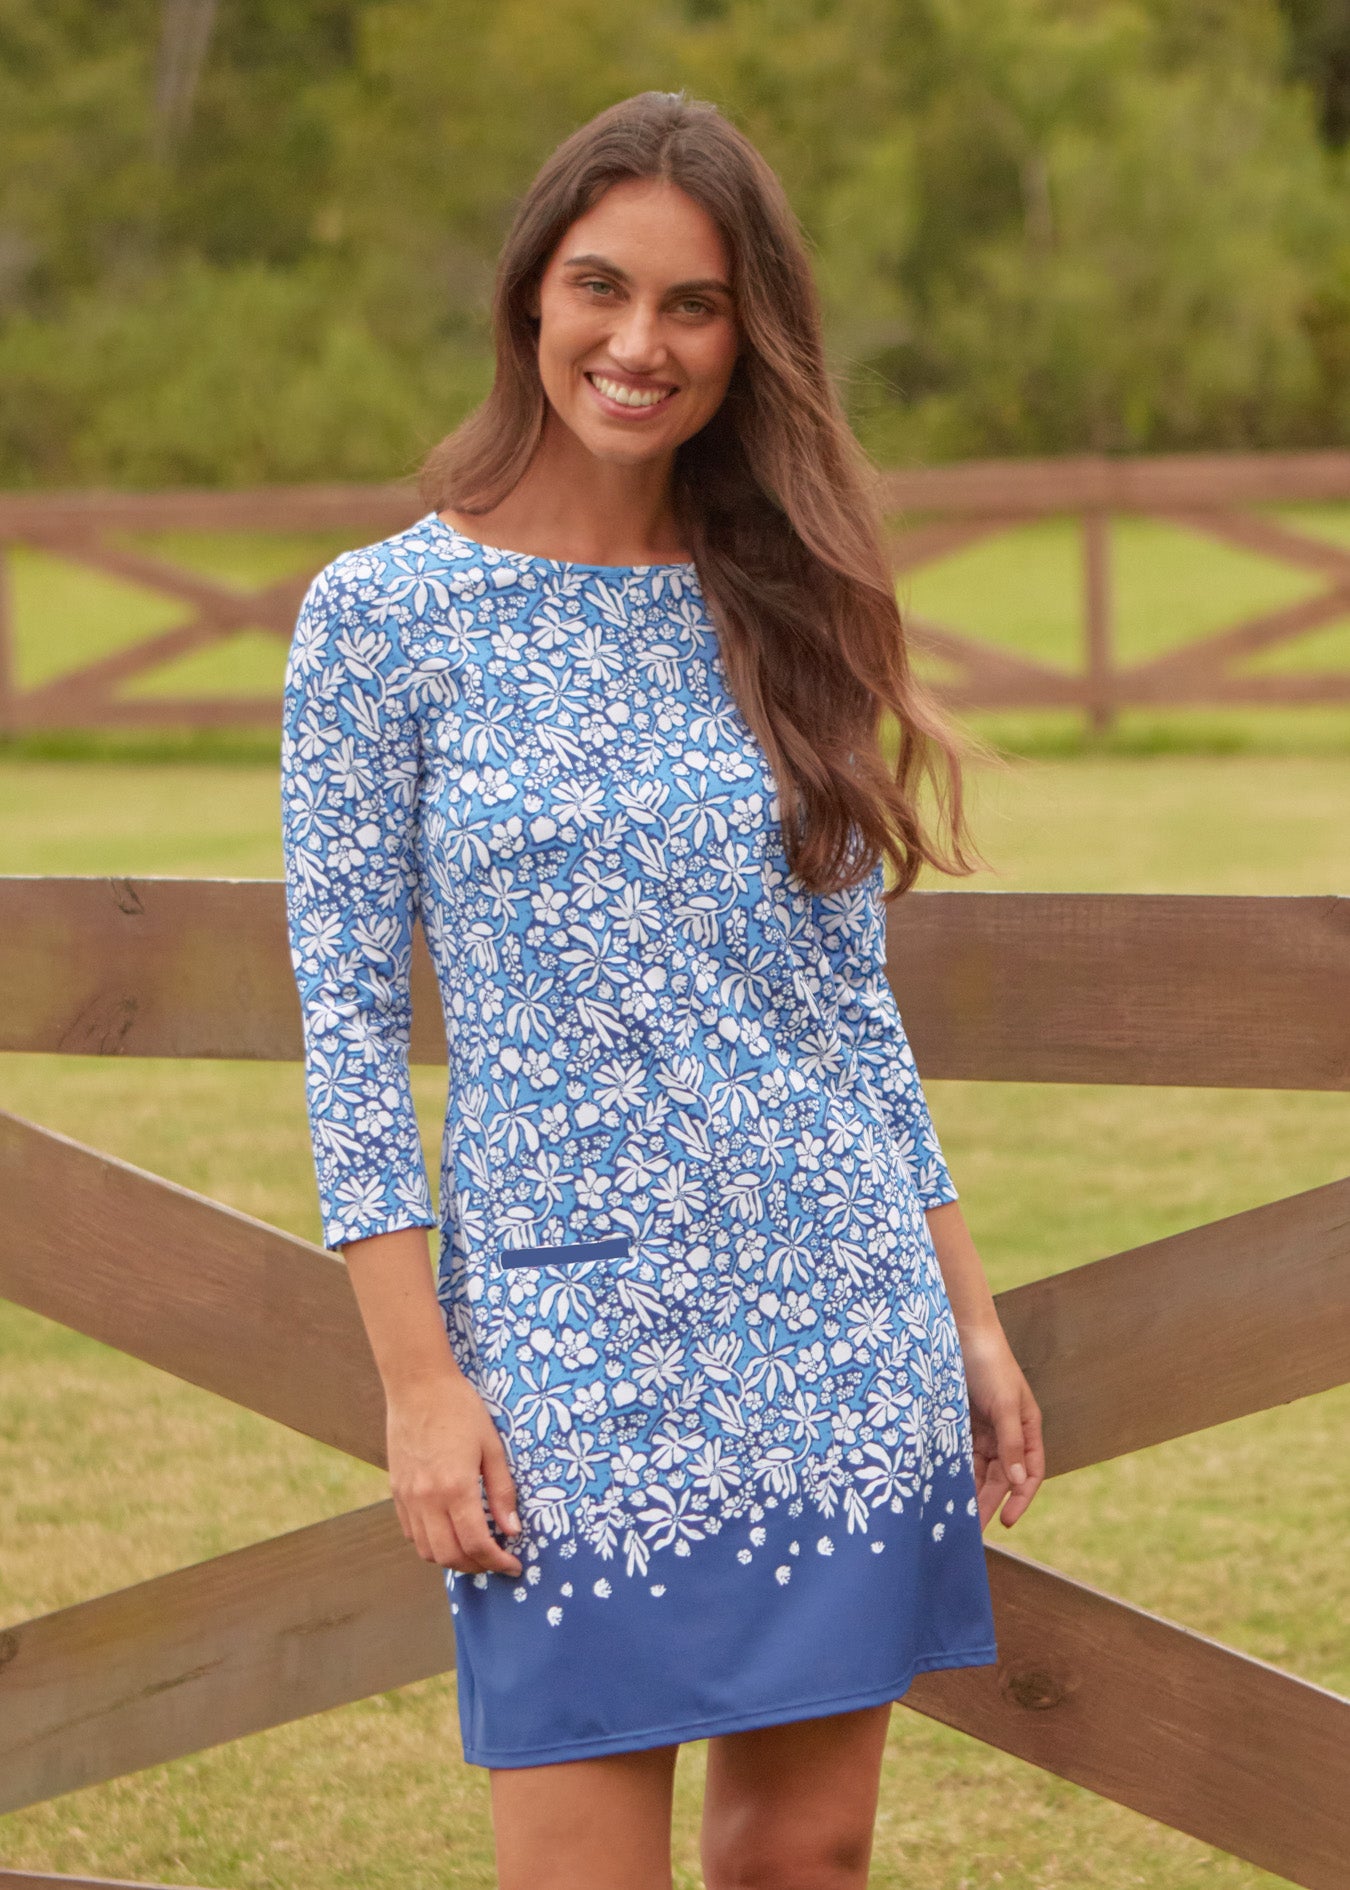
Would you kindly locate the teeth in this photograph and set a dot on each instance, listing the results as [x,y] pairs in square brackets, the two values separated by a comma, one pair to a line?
[628,396]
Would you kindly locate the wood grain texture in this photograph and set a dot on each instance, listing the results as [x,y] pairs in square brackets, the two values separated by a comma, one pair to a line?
[162,967]
[1153,1343]
[1032,987]
[164,1275]
[1125,988]
[1178,1727]
[1194,1330]
[307,1621]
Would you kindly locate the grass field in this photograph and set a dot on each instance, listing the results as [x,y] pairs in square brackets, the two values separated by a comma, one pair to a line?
[110,1472]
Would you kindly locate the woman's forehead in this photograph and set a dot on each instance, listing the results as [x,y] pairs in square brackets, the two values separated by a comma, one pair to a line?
[648,226]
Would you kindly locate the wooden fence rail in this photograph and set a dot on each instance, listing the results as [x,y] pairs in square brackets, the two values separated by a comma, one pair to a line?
[936,512]
[1122,1352]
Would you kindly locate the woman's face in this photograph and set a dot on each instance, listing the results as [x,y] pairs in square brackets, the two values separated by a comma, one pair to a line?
[637,327]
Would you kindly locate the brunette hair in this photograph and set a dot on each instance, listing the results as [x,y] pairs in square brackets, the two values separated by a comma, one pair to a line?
[775,498]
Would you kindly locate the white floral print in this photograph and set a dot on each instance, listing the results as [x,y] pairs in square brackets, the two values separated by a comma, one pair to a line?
[655,1032]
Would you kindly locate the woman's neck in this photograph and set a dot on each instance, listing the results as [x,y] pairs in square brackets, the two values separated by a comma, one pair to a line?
[570,505]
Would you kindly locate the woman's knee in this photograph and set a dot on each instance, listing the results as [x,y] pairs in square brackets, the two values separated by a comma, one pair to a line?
[836,1860]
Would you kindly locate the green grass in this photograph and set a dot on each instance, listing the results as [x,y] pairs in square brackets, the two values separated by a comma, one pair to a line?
[111,1472]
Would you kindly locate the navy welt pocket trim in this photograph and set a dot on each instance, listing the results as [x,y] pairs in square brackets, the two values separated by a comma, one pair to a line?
[614,1247]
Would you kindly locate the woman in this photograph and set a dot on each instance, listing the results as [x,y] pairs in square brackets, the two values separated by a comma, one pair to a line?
[709,1404]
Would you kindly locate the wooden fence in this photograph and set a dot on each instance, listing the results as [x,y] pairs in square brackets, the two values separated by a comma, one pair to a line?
[1165,1339]
[942,510]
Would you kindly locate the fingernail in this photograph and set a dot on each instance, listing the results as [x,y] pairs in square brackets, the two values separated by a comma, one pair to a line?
[513,1523]
[1019,1475]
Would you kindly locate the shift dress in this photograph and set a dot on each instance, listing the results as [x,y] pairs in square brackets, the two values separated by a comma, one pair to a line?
[686,1155]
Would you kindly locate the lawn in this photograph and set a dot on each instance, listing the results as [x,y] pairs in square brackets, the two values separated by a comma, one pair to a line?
[111,1472]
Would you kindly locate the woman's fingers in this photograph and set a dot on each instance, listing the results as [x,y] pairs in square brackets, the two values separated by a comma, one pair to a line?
[1007,1421]
[443,1541]
[1026,1454]
[500,1484]
[993,1487]
[471,1526]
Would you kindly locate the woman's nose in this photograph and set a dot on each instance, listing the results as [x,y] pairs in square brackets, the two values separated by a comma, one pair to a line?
[636,339]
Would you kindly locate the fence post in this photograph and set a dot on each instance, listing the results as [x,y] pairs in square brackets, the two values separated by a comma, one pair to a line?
[1099,680]
[9,719]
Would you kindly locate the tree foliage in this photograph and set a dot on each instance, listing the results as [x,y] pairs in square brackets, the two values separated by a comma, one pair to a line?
[1039,225]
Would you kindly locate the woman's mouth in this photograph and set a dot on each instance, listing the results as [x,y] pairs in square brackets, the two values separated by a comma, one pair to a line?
[630,400]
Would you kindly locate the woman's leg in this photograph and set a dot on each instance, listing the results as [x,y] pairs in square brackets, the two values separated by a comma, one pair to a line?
[585,1824]
[793,1807]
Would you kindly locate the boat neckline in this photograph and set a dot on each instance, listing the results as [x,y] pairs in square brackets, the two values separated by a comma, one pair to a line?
[555,564]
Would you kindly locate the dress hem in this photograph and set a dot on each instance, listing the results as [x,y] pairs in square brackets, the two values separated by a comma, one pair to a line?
[983,1656]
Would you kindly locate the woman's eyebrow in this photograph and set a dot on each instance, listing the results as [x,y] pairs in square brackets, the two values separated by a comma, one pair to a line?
[590,261]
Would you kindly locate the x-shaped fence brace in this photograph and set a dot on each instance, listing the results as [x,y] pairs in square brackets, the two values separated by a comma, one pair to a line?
[1165,1339]
[93,530]
[947,508]
[1213,495]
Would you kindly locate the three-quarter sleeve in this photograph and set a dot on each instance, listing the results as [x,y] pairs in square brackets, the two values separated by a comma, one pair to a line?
[853,929]
[350,764]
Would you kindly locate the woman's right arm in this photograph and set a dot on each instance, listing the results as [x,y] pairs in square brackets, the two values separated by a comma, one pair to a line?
[440,1435]
[350,755]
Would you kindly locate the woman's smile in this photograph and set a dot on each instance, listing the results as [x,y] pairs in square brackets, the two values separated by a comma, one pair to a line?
[628,399]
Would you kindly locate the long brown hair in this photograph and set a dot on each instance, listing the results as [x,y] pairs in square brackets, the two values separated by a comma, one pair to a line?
[775,497]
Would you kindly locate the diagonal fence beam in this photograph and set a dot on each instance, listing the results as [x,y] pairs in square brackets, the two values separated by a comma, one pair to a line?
[993,671]
[52,1880]
[1267,537]
[914,546]
[1189,1331]
[1189,670]
[137,1284]
[1228,1749]
[1165,1339]
[186,1284]
[1240,1755]
[307,1621]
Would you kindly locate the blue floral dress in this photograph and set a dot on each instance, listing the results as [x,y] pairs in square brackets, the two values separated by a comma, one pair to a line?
[682,1247]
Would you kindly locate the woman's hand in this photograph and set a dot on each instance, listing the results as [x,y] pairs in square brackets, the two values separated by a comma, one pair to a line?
[1005,1418]
[442,1444]
[1006,1426]
[444,1451]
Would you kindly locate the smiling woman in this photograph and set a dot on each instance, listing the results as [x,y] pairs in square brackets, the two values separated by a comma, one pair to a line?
[709,1404]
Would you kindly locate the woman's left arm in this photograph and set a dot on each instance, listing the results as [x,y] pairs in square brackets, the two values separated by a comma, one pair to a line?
[1005,1418]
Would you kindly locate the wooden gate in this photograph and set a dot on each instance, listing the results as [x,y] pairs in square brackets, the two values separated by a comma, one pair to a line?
[1220,496]
[1165,1339]
[944,510]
